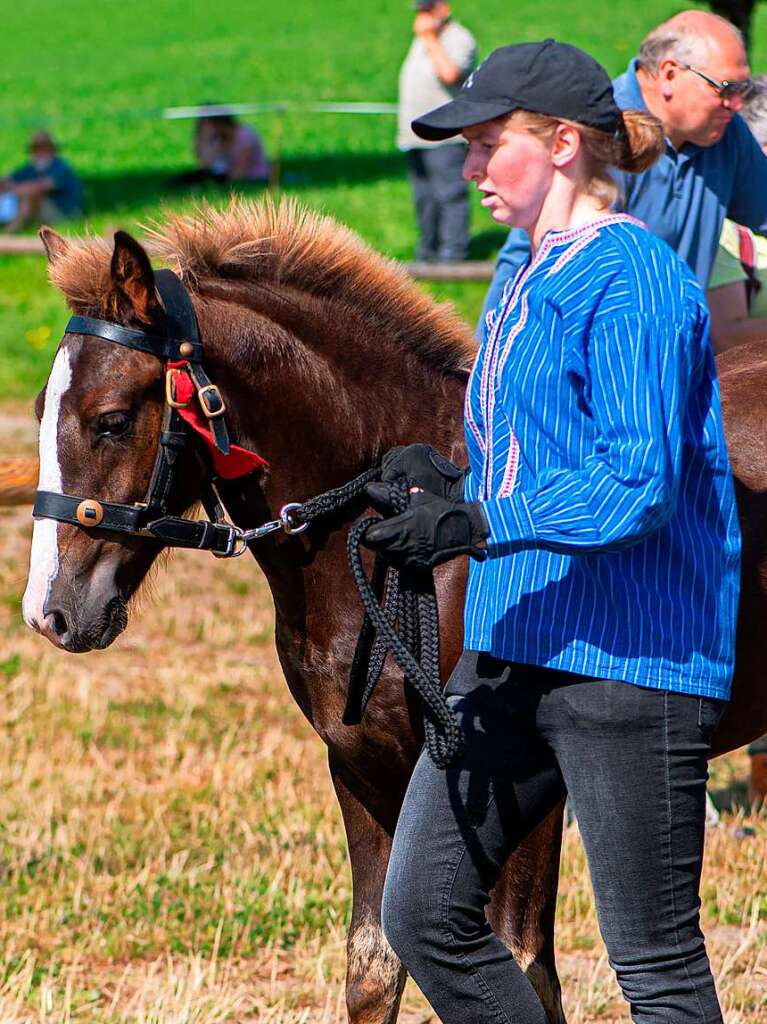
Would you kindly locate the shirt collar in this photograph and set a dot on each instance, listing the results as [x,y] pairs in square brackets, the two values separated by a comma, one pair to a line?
[628,94]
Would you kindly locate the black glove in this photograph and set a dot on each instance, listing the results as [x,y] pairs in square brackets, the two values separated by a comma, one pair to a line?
[432,531]
[423,465]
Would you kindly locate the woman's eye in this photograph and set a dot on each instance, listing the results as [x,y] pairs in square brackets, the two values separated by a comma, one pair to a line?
[112,424]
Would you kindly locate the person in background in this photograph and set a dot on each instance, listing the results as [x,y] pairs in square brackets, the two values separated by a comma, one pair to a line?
[44,190]
[226,150]
[737,296]
[692,74]
[439,60]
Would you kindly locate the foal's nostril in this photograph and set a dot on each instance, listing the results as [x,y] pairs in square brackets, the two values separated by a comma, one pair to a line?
[58,622]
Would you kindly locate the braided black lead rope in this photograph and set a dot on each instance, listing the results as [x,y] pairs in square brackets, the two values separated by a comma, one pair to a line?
[444,739]
[370,653]
[332,501]
[390,597]
[410,599]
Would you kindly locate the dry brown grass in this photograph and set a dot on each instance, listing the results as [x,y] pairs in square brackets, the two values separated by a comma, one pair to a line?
[170,848]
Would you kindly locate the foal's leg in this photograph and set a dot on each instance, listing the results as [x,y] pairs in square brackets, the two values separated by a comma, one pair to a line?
[374,975]
[523,907]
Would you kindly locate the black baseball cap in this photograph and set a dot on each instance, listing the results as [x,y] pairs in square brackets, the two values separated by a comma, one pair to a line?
[545,78]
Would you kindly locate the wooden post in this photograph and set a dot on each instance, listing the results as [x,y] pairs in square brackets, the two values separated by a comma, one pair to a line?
[18,480]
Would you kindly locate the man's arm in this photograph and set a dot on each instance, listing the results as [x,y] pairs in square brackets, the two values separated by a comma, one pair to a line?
[748,200]
[37,187]
[449,70]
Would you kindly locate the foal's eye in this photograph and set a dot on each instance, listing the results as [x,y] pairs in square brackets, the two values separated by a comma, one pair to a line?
[112,424]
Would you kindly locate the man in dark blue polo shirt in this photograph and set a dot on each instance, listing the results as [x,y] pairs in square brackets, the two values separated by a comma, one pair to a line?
[691,73]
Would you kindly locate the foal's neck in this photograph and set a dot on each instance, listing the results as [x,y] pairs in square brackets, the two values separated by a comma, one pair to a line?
[318,391]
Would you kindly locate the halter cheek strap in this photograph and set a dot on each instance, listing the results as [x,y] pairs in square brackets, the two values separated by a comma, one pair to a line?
[192,403]
[180,390]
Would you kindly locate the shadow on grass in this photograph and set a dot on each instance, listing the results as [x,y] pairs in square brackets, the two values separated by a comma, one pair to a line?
[107,192]
[484,245]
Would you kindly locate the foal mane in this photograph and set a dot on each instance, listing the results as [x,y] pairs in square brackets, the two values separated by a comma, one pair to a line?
[281,244]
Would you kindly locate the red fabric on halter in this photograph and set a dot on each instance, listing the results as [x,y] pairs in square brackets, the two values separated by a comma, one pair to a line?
[239,461]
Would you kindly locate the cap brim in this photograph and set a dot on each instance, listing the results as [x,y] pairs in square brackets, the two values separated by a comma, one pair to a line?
[453,117]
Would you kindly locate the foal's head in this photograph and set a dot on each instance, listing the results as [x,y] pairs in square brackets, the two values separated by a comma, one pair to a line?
[100,416]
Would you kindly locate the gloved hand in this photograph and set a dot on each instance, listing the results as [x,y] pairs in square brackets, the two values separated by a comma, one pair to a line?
[430,532]
[423,466]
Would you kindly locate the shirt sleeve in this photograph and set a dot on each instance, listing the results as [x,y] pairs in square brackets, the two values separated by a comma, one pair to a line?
[636,374]
[515,252]
[25,173]
[748,201]
[461,47]
[61,177]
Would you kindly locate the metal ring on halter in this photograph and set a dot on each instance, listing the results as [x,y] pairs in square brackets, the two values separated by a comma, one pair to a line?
[288,524]
[239,550]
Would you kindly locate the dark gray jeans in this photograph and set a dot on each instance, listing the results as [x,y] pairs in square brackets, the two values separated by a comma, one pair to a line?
[441,197]
[634,762]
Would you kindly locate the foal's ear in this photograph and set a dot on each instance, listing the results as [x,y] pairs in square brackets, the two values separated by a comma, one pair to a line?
[133,276]
[55,245]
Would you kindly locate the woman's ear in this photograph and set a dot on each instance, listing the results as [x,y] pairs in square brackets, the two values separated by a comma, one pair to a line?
[566,145]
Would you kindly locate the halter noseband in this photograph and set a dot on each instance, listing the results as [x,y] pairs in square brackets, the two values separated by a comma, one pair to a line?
[185,379]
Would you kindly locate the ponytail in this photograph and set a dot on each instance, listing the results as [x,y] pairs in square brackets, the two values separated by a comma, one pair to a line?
[638,141]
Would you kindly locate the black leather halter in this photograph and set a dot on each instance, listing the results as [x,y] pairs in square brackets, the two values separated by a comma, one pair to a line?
[149,518]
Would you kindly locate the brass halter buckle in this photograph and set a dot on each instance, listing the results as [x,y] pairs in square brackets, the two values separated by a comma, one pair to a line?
[170,392]
[202,394]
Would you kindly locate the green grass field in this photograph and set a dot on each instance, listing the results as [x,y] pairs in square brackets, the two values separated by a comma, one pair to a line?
[93,73]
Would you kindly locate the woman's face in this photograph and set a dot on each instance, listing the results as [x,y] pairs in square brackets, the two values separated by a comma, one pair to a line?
[511,168]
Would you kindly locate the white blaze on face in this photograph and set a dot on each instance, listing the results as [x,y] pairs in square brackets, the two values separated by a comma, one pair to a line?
[44,559]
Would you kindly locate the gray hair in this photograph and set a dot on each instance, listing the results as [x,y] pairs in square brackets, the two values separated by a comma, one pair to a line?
[677,40]
[754,111]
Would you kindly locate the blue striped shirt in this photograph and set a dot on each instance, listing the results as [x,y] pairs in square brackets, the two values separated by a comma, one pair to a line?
[596,446]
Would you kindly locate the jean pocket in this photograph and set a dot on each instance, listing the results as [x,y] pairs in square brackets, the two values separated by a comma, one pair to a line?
[710,711]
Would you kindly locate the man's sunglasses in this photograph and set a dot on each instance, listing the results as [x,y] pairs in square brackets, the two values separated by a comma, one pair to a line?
[725,90]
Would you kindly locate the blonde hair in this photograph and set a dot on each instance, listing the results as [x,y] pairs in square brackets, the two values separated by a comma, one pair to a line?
[636,145]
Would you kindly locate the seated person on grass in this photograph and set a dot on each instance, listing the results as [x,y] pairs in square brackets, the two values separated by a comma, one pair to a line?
[44,190]
[226,150]
[737,290]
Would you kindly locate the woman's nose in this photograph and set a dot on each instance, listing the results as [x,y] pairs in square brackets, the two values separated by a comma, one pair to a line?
[471,171]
